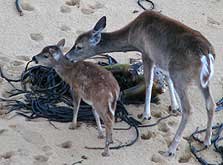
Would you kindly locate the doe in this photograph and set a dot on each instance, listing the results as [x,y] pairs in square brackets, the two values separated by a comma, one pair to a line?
[184,54]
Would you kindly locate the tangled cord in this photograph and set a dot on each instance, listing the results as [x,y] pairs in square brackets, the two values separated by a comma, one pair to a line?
[215,142]
[139,2]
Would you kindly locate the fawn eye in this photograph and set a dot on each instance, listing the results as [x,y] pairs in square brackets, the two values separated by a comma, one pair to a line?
[45,56]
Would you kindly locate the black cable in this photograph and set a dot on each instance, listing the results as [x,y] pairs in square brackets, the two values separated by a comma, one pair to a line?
[215,141]
[151,3]
[18,8]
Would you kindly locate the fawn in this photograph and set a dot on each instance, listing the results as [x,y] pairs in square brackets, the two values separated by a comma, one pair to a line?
[184,55]
[95,85]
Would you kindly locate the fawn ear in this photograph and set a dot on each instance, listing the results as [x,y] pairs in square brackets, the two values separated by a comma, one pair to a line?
[55,54]
[61,43]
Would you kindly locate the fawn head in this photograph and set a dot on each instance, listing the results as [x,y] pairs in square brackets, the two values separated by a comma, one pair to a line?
[50,55]
[86,44]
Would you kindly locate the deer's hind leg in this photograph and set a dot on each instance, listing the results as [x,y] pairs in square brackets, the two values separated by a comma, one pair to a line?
[210,107]
[98,122]
[181,87]
[108,119]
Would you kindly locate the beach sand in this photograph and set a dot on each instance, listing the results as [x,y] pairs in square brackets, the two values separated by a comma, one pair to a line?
[46,22]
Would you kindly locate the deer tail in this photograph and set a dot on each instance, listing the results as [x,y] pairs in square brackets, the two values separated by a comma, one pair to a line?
[207,69]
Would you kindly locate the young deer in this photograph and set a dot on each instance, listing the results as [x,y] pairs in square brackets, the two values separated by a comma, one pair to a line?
[95,85]
[184,54]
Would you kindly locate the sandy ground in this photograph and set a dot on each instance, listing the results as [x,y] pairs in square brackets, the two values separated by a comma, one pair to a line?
[45,22]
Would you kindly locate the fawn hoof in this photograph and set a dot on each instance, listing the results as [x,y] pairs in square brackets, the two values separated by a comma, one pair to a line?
[101,136]
[105,154]
[144,116]
[167,153]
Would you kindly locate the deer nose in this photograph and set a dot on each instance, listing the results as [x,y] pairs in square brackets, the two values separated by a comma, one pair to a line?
[34,59]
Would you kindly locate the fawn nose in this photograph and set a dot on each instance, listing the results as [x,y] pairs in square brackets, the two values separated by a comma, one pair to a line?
[34,59]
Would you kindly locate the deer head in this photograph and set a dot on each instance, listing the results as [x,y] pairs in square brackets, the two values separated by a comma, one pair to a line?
[50,55]
[87,43]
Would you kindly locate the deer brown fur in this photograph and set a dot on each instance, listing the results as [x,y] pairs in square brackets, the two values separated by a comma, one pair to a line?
[184,54]
[95,85]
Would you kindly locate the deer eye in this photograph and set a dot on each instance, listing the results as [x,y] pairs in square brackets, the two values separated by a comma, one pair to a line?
[78,47]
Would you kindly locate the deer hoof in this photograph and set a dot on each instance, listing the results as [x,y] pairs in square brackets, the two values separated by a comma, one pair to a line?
[174,110]
[144,117]
[207,143]
[73,126]
[105,154]
[167,153]
[101,136]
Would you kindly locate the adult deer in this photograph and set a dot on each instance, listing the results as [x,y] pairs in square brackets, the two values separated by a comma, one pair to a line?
[184,54]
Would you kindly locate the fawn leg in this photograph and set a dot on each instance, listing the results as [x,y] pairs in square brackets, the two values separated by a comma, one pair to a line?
[108,138]
[76,104]
[98,122]
[108,119]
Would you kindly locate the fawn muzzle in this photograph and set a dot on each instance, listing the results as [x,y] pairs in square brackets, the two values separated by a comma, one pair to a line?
[34,59]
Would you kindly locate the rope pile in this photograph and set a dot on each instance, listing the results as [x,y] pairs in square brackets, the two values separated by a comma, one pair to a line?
[45,94]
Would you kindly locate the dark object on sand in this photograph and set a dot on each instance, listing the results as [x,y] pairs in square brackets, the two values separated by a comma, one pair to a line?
[219,105]
[216,140]
[18,7]
[131,81]
[141,5]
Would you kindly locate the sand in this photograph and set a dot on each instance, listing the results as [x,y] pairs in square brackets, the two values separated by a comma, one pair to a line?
[46,22]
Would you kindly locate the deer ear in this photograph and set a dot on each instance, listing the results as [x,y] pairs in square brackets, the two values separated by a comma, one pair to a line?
[95,39]
[61,43]
[55,54]
[100,25]
[96,32]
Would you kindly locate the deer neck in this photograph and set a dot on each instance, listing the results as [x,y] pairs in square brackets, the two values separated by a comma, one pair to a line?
[117,41]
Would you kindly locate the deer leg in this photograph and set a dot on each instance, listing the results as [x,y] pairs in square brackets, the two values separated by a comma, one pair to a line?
[148,66]
[98,122]
[108,138]
[76,104]
[175,103]
[186,107]
[210,107]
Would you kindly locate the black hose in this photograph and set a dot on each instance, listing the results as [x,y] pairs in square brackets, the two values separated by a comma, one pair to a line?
[18,7]
[151,3]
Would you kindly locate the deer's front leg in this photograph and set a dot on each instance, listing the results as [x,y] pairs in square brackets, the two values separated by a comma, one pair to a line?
[175,102]
[76,105]
[148,66]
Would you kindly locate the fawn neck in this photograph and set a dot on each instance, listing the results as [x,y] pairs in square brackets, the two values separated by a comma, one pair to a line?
[117,41]
[63,66]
